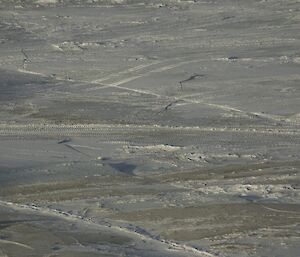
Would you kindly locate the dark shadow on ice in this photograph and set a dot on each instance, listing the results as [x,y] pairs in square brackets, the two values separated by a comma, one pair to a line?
[65,140]
[124,167]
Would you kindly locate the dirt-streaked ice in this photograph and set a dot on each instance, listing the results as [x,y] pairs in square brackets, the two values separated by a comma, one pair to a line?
[149,128]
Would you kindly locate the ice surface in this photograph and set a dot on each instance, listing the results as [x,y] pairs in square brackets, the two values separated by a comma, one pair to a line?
[149,128]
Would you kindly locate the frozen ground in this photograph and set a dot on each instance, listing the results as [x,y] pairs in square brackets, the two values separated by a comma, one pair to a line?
[149,128]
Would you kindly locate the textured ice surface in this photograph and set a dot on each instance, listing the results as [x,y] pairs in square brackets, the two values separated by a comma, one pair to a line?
[149,128]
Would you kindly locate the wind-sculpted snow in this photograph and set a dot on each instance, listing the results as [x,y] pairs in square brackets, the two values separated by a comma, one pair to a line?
[149,128]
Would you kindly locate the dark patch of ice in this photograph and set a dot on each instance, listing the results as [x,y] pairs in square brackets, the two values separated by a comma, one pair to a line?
[124,167]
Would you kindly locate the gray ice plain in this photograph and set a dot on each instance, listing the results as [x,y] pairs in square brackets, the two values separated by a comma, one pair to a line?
[149,128]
